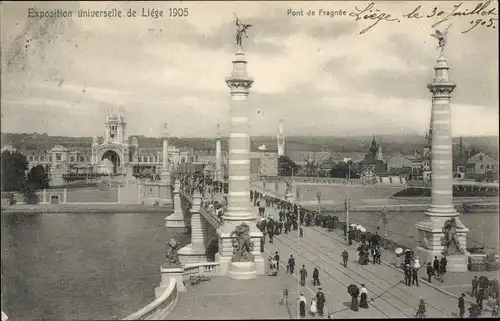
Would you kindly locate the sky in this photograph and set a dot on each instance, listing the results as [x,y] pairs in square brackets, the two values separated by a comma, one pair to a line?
[318,74]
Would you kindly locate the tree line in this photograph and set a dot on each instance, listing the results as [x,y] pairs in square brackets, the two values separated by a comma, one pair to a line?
[17,178]
[339,170]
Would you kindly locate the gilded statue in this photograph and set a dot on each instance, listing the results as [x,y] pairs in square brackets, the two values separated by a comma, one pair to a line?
[450,238]
[242,244]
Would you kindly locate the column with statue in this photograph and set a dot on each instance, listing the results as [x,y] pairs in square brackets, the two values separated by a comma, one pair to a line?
[165,185]
[239,238]
[442,233]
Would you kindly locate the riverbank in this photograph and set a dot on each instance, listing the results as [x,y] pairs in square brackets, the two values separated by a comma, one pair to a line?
[84,208]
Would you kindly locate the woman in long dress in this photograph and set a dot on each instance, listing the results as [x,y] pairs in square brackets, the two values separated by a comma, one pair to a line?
[271,266]
[313,309]
[303,304]
[363,301]
[354,300]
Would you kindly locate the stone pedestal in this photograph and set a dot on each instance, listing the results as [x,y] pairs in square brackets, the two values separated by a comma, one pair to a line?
[430,231]
[166,274]
[225,254]
[165,194]
[242,270]
[176,219]
[196,251]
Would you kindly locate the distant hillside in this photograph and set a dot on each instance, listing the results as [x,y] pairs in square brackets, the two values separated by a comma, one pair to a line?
[390,144]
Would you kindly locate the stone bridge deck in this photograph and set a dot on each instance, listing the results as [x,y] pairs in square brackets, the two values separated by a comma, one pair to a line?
[223,298]
[385,284]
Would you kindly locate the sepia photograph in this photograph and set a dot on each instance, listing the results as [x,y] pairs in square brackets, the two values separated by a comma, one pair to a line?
[218,160]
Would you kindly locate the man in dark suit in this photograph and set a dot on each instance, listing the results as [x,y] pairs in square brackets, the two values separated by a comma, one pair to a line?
[461,305]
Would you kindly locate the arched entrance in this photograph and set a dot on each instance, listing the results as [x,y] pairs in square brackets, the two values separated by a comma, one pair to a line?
[114,158]
[54,199]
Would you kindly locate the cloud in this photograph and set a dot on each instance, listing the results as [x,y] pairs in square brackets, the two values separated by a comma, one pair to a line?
[317,73]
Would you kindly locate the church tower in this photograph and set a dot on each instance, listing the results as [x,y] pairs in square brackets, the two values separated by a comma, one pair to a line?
[380,156]
[373,148]
[115,127]
[281,140]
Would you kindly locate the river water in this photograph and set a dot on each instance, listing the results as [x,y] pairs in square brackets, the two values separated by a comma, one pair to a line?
[81,266]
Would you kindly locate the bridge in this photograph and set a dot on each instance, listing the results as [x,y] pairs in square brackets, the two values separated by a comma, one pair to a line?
[391,298]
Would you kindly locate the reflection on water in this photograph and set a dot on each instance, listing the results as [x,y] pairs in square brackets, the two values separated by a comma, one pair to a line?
[81,266]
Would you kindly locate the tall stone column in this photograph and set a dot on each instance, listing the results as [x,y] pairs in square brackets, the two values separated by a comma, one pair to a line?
[196,251]
[218,160]
[281,140]
[239,208]
[177,218]
[166,184]
[441,210]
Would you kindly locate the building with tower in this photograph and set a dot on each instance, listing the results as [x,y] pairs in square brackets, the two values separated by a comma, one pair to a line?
[114,153]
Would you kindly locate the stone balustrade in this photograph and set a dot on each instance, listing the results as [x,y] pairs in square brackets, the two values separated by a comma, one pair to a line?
[209,215]
[201,269]
[161,306]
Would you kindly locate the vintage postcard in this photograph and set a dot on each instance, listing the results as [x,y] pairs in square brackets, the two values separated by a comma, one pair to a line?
[249,159]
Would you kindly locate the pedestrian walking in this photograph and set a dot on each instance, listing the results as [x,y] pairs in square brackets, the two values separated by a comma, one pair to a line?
[421,309]
[435,265]
[345,257]
[277,259]
[291,264]
[430,272]
[480,298]
[416,267]
[284,299]
[320,301]
[378,255]
[461,305]
[313,309]
[316,277]
[303,275]
[442,267]
[301,232]
[303,305]
[408,275]
[363,300]
[475,284]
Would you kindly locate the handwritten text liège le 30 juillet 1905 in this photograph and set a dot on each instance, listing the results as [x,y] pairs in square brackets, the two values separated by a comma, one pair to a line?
[480,15]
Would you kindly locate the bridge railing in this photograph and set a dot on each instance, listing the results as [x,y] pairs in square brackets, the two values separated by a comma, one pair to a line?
[209,215]
[160,307]
[199,269]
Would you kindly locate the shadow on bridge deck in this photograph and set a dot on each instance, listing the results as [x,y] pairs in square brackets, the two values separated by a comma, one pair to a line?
[223,298]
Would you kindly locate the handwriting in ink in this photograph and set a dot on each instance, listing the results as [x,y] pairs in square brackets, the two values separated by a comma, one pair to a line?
[369,13]
[480,9]
[414,13]
[480,22]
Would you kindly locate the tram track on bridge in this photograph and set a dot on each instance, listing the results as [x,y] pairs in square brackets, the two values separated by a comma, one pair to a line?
[341,283]
[364,269]
[368,281]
